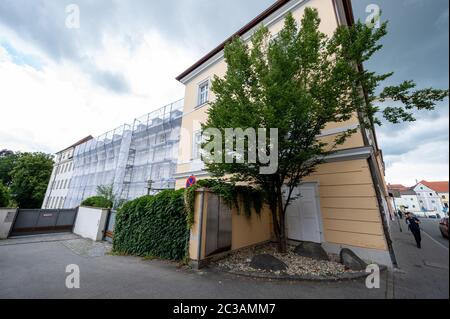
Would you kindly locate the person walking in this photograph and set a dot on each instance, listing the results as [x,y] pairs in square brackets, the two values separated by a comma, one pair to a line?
[414,226]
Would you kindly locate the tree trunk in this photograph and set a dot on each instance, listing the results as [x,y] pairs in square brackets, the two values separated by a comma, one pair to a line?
[281,216]
[276,226]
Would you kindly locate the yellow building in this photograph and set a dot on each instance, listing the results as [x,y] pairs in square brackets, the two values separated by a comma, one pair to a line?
[344,204]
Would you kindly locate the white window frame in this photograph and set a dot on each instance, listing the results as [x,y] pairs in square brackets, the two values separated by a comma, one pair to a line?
[197,140]
[203,96]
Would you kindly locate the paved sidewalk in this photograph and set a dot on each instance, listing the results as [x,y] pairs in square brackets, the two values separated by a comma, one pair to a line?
[23,240]
[423,273]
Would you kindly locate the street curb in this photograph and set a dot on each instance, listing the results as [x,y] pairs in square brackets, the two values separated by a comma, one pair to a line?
[268,276]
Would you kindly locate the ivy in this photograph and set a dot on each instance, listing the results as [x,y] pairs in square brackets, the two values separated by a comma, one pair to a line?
[153,226]
[231,193]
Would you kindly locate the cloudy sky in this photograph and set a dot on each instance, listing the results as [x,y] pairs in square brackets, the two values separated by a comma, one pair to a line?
[58,85]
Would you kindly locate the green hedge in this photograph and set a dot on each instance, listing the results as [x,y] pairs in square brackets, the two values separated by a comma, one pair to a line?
[153,226]
[97,202]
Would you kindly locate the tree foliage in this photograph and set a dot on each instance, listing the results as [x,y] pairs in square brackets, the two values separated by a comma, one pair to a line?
[5,197]
[299,81]
[29,179]
[7,162]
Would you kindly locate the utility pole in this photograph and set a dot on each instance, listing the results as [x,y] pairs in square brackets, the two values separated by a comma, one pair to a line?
[396,212]
[149,186]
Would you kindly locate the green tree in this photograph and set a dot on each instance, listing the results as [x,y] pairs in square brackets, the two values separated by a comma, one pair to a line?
[7,161]
[298,82]
[30,178]
[5,197]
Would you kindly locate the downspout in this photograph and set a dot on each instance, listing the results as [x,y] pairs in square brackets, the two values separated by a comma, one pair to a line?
[200,229]
[373,165]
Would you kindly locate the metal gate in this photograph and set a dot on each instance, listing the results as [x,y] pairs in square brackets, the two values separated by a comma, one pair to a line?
[218,226]
[109,232]
[43,221]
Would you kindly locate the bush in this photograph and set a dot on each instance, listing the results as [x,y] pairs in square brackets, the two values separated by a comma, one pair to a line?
[97,202]
[153,226]
[5,197]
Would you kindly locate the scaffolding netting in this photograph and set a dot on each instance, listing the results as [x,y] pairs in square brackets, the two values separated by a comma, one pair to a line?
[135,160]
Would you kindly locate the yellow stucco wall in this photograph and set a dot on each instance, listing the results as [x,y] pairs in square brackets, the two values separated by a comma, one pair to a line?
[194,115]
[348,203]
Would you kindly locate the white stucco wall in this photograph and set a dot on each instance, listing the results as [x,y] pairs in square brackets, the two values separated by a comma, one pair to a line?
[429,200]
[7,216]
[91,223]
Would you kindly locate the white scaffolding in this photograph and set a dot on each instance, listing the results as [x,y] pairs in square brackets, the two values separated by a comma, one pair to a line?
[135,160]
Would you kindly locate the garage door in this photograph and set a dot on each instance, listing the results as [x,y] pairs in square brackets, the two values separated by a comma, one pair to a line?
[43,221]
[303,216]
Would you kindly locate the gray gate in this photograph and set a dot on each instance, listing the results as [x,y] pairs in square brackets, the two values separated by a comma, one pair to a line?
[43,221]
[109,232]
[218,229]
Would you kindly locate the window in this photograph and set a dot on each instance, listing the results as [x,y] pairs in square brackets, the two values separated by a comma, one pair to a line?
[163,138]
[197,146]
[414,206]
[203,89]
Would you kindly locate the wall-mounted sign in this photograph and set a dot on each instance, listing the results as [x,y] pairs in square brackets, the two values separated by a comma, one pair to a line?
[191,181]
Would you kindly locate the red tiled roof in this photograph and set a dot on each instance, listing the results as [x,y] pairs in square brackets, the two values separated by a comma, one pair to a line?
[439,187]
[397,187]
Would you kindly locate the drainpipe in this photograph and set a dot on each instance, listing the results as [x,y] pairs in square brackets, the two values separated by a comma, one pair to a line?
[373,169]
[349,20]
[200,229]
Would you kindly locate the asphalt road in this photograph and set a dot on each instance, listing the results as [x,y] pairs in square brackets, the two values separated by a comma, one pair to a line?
[37,270]
[431,228]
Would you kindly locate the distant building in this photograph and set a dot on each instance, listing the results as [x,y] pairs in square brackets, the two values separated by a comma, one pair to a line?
[433,196]
[62,173]
[136,160]
[404,198]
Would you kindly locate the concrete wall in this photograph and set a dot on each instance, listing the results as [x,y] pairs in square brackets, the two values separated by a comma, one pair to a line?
[91,223]
[7,216]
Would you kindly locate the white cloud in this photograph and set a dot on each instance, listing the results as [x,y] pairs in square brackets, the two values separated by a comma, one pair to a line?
[426,162]
[50,109]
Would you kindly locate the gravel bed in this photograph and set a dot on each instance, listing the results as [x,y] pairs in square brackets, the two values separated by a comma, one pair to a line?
[297,266]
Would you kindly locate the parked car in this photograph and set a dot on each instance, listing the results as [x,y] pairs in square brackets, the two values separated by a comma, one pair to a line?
[432,215]
[443,225]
